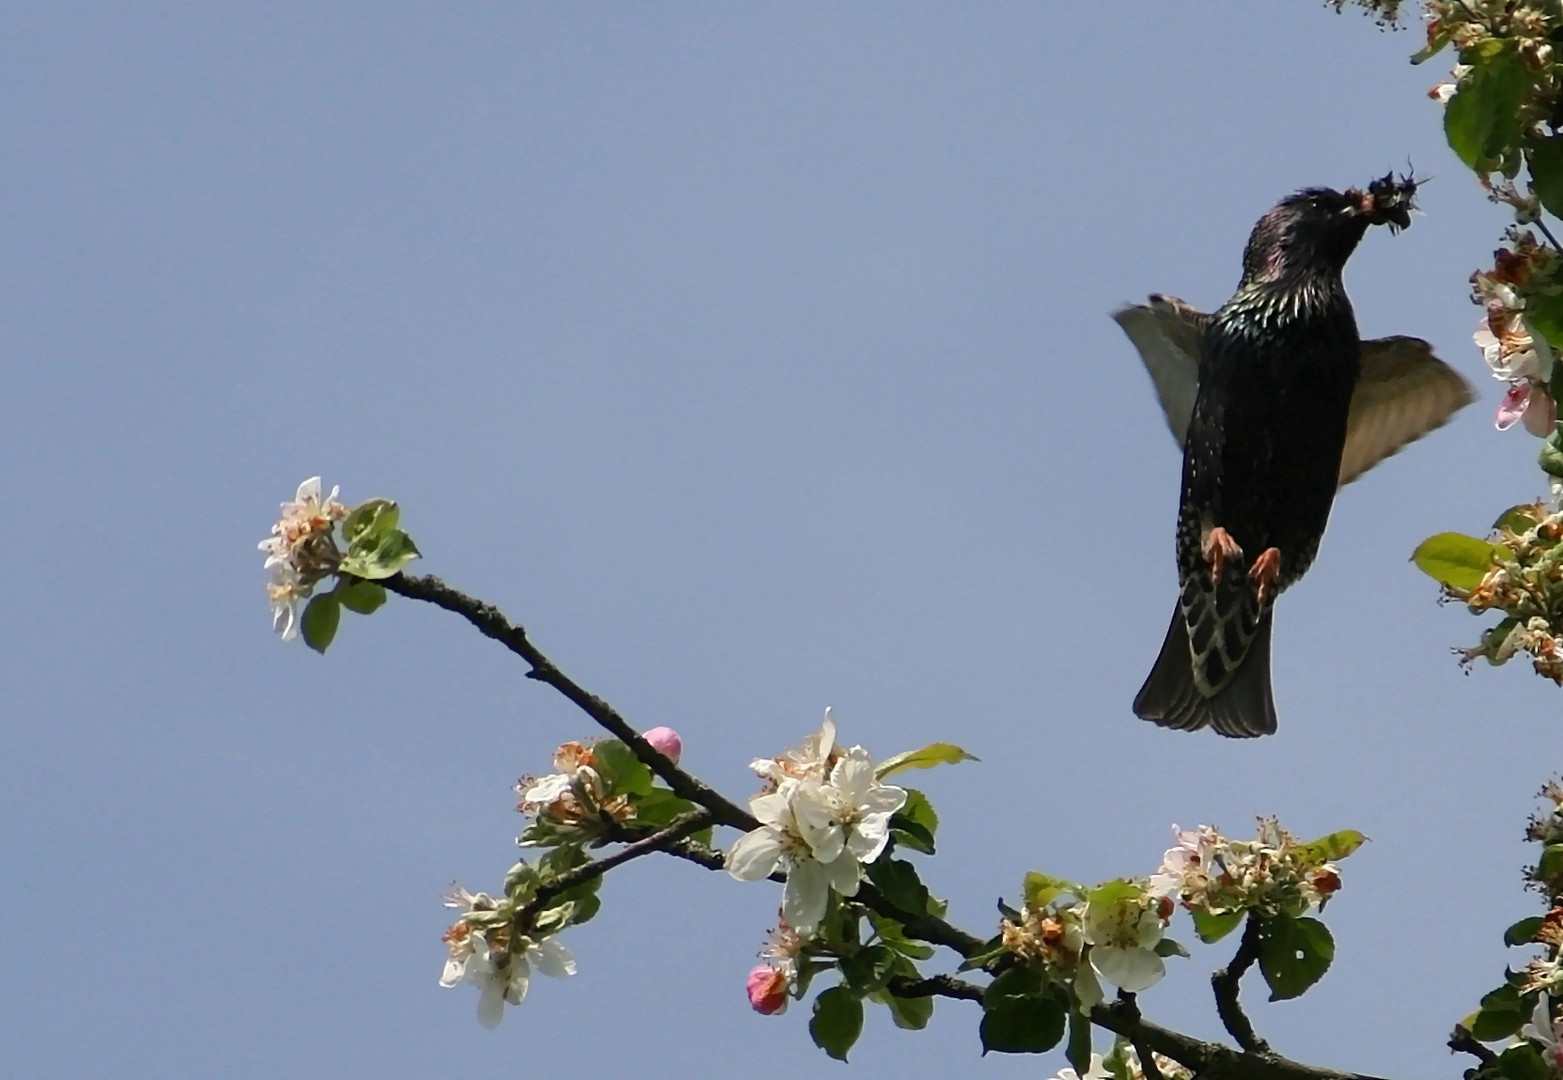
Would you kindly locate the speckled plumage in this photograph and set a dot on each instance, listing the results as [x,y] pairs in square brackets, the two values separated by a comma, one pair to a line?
[1262,457]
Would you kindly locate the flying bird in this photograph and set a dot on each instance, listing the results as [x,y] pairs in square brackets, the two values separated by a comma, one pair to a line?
[1277,403]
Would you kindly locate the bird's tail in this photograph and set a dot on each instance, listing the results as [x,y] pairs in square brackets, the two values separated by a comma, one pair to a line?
[1242,709]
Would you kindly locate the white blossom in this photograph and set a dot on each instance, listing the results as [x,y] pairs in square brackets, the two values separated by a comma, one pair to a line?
[503,976]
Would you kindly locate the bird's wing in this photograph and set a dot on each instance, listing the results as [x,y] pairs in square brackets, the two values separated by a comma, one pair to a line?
[1403,393]
[1169,336]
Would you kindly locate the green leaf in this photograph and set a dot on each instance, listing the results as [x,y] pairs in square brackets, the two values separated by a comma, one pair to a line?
[837,1022]
[1332,848]
[1523,1062]
[1211,928]
[1551,456]
[1042,889]
[1545,158]
[621,771]
[1504,999]
[1520,519]
[909,1014]
[1522,932]
[868,969]
[560,860]
[1483,119]
[898,880]
[1078,1049]
[1455,560]
[659,807]
[1293,954]
[914,824]
[369,519]
[1167,947]
[361,597]
[894,935]
[1019,1016]
[939,753]
[1550,865]
[378,556]
[1435,44]
[1490,1025]
[322,615]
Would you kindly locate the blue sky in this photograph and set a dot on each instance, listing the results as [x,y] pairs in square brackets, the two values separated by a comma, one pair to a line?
[756,358]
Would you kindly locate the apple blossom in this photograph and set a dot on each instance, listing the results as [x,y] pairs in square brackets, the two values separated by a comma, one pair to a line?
[665,741]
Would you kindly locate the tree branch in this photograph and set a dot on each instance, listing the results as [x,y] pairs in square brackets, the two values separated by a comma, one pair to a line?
[1461,1041]
[935,986]
[1225,984]
[491,622]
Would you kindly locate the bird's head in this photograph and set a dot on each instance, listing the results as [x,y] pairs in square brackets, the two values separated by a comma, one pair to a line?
[1316,230]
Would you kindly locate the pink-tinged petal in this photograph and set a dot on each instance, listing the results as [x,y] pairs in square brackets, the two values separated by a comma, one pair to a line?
[767,990]
[1541,414]
[755,855]
[805,896]
[665,741]
[1512,407]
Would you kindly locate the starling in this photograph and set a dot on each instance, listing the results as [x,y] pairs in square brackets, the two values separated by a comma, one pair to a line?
[1277,403]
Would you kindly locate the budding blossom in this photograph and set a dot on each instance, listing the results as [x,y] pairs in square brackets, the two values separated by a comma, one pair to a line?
[822,815]
[665,741]
[300,551]
[490,955]
[771,983]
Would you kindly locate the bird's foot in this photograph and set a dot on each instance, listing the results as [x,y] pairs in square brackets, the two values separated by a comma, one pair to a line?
[1263,573]
[1217,549]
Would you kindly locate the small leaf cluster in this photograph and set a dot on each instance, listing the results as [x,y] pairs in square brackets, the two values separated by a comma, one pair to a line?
[376,548]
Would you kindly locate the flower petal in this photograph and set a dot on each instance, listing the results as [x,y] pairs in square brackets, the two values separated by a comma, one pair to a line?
[491,1003]
[1132,970]
[1512,407]
[805,896]
[552,958]
[755,855]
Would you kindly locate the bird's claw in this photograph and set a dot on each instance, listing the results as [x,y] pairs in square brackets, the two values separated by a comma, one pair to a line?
[1217,549]
[1263,573]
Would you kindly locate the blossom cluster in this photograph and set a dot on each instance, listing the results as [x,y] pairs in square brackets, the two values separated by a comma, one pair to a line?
[486,949]
[823,815]
[1080,938]
[1523,578]
[1511,347]
[300,551]
[1124,1064]
[586,795]
[1273,874]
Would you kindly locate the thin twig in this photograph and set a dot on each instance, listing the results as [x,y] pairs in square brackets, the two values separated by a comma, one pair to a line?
[1225,984]
[661,840]
[1148,1065]
[1542,225]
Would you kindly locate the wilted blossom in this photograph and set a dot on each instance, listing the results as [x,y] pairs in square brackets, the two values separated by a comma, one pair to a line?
[1052,939]
[300,551]
[489,954]
[822,815]
[572,802]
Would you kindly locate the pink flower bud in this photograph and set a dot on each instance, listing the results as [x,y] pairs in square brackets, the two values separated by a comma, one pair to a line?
[768,990]
[666,742]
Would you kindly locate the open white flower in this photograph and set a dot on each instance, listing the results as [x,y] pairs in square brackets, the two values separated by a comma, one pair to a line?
[780,841]
[849,817]
[502,976]
[284,592]
[1123,935]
